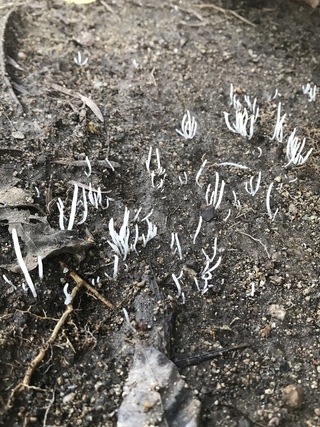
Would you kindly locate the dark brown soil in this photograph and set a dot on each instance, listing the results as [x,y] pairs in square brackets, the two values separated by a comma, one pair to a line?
[149,62]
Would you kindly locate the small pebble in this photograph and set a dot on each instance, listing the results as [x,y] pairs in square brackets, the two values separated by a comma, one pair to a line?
[277,311]
[68,398]
[292,396]
[17,135]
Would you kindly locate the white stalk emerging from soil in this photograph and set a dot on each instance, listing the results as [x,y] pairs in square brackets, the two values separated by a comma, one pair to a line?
[22,263]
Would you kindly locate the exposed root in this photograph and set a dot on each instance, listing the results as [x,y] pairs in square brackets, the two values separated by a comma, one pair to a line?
[25,383]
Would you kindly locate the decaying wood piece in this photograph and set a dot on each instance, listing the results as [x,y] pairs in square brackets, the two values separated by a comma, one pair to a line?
[9,8]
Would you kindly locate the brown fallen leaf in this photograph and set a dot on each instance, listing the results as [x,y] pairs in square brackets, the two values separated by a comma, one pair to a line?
[93,107]
[87,101]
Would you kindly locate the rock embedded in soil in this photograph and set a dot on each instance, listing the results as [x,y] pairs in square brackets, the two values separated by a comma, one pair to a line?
[292,396]
[277,311]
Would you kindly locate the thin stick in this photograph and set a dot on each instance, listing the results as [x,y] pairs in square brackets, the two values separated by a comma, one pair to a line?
[109,8]
[3,71]
[194,359]
[25,383]
[80,282]
[40,356]
[256,240]
[226,11]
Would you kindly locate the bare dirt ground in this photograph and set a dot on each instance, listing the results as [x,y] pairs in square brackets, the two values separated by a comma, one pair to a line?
[148,62]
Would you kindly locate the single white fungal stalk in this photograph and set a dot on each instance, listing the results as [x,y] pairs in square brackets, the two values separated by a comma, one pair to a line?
[185,181]
[61,213]
[40,267]
[294,150]
[250,189]
[126,316]
[241,125]
[172,241]
[67,301]
[8,281]
[99,196]
[276,94]
[161,183]
[134,244]
[89,167]
[197,230]
[235,165]
[253,289]
[152,178]
[158,160]
[311,92]
[278,129]
[147,216]
[136,218]
[252,106]
[216,196]
[152,232]
[85,207]
[260,152]
[197,283]
[228,215]
[236,201]
[109,164]
[237,104]
[37,192]
[271,215]
[73,207]
[115,266]
[148,161]
[177,244]
[200,172]
[120,241]
[206,274]
[188,126]
[90,195]
[177,283]
[79,60]
[22,263]
[96,281]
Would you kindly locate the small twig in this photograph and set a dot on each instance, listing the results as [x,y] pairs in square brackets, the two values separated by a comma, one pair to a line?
[256,240]
[109,8]
[25,383]
[195,359]
[226,11]
[80,282]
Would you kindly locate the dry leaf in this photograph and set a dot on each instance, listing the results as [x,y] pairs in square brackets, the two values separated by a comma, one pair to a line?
[155,394]
[89,103]
[39,238]
[93,107]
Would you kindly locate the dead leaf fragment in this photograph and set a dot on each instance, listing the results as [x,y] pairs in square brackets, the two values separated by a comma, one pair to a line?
[93,107]
[14,196]
[155,394]
[87,101]
[39,238]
